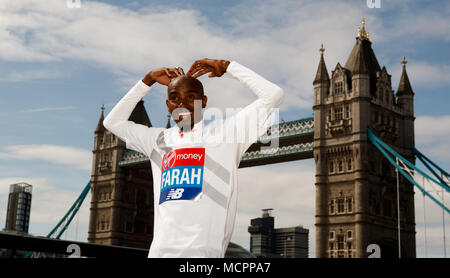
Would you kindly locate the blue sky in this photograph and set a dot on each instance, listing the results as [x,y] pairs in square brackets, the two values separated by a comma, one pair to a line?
[59,65]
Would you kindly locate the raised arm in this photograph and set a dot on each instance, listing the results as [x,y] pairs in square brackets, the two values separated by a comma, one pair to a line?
[137,136]
[253,121]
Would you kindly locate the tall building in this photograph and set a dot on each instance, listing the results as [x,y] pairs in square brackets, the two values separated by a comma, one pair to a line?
[19,208]
[355,185]
[268,242]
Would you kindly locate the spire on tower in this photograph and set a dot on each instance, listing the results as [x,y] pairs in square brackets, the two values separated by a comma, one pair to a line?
[139,115]
[100,127]
[322,73]
[404,87]
[362,31]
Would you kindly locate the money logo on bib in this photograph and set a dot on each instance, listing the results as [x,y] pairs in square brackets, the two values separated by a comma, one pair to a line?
[182,174]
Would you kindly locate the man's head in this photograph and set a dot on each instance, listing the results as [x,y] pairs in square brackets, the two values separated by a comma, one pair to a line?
[182,92]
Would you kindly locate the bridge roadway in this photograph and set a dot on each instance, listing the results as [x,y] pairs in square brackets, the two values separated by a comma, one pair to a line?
[295,143]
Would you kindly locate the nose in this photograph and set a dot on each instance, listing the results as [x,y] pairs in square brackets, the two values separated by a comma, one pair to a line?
[184,102]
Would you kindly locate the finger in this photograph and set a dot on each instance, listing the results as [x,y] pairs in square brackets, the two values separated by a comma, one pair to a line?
[202,68]
[200,73]
[193,68]
[166,70]
[211,74]
[173,72]
[181,71]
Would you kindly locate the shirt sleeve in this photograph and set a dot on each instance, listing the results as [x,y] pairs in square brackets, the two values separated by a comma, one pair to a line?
[252,122]
[137,137]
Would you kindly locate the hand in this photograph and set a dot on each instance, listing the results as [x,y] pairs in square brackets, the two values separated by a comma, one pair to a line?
[162,76]
[216,68]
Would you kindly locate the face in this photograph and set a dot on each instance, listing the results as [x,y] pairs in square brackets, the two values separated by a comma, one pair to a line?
[184,96]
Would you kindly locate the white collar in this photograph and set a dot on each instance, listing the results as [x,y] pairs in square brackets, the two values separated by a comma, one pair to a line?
[195,131]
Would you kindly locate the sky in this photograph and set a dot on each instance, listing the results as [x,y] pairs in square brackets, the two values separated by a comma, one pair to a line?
[60,63]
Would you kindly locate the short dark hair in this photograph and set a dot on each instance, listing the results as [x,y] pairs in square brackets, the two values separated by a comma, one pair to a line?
[194,82]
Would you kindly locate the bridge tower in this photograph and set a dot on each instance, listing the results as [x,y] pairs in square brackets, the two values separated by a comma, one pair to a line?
[121,211]
[356,187]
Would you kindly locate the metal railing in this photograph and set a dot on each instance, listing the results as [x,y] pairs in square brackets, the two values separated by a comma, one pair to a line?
[65,248]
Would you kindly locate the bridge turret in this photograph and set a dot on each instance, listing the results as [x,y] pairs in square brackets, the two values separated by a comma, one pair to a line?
[355,187]
[405,94]
[321,81]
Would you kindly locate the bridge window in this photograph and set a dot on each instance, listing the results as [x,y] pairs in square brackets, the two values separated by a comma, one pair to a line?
[340,242]
[349,235]
[338,114]
[331,245]
[331,167]
[329,115]
[332,235]
[347,112]
[349,165]
[338,87]
[331,210]
[340,166]
[340,206]
[349,204]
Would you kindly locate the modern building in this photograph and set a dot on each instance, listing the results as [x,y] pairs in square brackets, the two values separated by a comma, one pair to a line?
[268,242]
[356,186]
[19,208]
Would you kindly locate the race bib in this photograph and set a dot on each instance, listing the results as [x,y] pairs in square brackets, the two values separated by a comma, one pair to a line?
[182,174]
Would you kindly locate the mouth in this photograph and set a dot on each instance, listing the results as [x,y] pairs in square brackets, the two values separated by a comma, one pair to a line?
[183,116]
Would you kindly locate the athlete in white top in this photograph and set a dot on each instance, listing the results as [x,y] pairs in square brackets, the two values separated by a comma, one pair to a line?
[195,165]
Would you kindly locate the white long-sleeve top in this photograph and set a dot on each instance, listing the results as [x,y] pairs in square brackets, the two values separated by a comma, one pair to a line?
[195,175]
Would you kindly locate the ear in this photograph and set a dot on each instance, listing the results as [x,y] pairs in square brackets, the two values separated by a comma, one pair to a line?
[204,101]
[167,103]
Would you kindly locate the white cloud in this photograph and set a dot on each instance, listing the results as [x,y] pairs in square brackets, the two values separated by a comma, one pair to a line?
[432,133]
[422,73]
[75,157]
[20,76]
[40,109]
[432,128]
[279,40]
[130,43]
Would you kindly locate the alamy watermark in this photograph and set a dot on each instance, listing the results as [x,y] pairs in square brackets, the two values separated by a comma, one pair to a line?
[236,125]
[374,250]
[73,4]
[374,4]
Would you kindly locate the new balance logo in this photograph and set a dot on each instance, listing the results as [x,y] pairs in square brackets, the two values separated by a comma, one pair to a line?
[175,194]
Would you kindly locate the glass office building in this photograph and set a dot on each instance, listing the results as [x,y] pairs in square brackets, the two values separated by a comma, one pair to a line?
[19,207]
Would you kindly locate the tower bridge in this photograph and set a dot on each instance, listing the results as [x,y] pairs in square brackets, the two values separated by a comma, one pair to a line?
[361,138]
[355,184]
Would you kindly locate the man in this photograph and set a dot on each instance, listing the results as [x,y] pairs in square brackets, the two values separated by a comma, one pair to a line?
[195,179]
